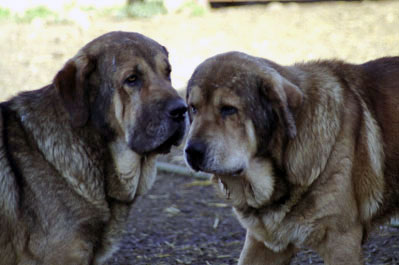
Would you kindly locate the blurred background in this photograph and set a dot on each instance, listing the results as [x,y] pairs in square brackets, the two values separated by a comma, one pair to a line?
[38,36]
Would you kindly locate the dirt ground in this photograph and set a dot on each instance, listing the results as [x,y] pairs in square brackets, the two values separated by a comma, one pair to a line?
[181,221]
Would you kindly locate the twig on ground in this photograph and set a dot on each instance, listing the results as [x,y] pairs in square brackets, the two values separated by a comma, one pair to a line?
[172,168]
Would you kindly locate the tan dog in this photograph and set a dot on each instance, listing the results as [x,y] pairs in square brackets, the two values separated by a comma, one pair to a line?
[74,155]
[308,154]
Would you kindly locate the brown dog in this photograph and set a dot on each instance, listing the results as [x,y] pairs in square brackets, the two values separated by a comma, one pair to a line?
[74,155]
[308,154]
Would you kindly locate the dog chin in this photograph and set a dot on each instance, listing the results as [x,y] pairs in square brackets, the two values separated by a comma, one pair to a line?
[236,171]
[145,146]
[174,140]
[164,147]
[232,172]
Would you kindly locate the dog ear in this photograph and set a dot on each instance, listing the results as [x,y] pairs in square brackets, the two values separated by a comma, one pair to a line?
[285,97]
[72,85]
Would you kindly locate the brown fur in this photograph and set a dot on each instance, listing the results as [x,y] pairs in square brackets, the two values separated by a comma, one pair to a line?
[75,154]
[307,154]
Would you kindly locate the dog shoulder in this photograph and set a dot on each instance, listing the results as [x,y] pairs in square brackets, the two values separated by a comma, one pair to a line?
[9,196]
[338,111]
[318,123]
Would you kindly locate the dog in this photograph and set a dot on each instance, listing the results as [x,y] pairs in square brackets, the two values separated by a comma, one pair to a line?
[307,154]
[74,155]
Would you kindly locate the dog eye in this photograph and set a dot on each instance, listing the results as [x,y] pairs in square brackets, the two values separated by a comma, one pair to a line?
[193,109]
[228,110]
[132,80]
[168,71]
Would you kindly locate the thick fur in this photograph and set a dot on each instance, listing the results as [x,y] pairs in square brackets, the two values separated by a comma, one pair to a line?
[75,154]
[307,154]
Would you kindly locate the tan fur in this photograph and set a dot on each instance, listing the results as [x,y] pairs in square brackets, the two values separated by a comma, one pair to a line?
[319,172]
[75,155]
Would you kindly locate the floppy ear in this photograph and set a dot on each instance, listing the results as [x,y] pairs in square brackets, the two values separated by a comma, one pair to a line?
[285,97]
[72,85]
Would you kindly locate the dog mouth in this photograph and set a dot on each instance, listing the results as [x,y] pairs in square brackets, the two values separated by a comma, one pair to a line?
[173,140]
[230,172]
[218,172]
[166,135]
[197,157]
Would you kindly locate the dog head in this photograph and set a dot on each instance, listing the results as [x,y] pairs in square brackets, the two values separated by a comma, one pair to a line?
[120,83]
[236,103]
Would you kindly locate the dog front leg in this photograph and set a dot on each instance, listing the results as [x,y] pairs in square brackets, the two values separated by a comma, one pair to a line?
[342,248]
[113,232]
[256,253]
[121,188]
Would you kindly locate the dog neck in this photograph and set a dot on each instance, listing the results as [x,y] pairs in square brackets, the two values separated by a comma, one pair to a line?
[254,188]
[133,174]
[262,188]
[79,155]
[73,153]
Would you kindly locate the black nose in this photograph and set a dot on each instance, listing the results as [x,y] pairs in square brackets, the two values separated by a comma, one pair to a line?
[195,153]
[176,109]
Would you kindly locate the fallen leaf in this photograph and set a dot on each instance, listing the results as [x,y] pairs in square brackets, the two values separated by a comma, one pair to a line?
[172,210]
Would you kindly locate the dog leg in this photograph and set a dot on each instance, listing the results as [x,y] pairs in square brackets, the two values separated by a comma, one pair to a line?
[134,176]
[113,232]
[256,253]
[343,248]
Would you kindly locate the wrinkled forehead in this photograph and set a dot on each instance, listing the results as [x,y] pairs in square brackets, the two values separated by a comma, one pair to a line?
[120,47]
[220,79]
[222,95]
